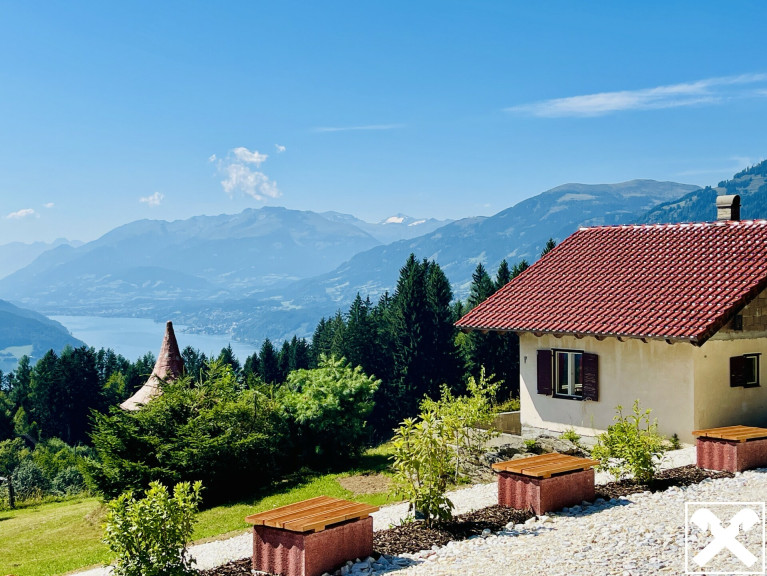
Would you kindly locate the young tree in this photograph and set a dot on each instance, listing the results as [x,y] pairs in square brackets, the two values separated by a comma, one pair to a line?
[269,367]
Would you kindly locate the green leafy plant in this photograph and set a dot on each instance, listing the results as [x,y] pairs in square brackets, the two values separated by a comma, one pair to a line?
[327,409]
[422,463]
[529,444]
[674,442]
[428,452]
[510,405]
[632,445]
[466,419]
[572,436]
[149,535]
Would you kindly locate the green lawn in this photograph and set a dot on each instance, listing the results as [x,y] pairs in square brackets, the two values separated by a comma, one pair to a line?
[56,538]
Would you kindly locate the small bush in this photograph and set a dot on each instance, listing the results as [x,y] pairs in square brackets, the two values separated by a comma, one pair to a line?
[530,444]
[510,405]
[572,436]
[67,482]
[674,442]
[149,536]
[441,444]
[631,445]
[29,481]
[327,410]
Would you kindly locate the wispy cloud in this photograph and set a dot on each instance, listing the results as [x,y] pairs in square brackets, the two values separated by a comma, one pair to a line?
[242,174]
[351,128]
[709,91]
[153,200]
[48,205]
[21,214]
[280,148]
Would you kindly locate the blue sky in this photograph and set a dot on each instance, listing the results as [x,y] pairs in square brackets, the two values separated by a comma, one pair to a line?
[115,111]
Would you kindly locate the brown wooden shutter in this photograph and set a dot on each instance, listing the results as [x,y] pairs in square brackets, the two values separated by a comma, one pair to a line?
[590,369]
[544,372]
[737,371]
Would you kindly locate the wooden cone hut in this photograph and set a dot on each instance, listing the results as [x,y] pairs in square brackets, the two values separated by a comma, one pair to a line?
[169,366]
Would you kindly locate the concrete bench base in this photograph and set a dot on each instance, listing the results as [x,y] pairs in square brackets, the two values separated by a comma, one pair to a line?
[280,551]
[717,454]
[545,494]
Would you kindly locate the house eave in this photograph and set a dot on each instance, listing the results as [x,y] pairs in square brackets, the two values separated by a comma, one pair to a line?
[622,336]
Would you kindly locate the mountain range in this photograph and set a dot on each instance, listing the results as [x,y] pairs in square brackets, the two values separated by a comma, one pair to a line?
[274,272]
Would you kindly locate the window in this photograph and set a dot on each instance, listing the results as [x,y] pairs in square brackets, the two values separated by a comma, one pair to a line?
[568,373]
[572,374]
[744,371]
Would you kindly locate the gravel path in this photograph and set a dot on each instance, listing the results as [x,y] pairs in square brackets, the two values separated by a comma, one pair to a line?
[212,554]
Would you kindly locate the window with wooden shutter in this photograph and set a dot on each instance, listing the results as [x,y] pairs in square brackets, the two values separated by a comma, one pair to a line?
[590,377]
[744,370]
[544,372]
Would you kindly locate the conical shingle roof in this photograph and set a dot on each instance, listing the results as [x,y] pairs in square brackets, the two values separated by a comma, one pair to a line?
[169,366]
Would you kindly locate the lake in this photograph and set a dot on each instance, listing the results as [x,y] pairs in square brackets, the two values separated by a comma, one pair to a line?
[134,337]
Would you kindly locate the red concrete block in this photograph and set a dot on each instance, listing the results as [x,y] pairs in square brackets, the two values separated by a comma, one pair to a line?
[718,454]
[545,494]
[280,551]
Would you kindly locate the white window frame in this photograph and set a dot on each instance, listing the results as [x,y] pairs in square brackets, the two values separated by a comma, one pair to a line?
[571,380]
[753,358]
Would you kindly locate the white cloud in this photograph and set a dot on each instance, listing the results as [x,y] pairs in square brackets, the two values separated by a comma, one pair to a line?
[350,128]
[20,214]
[280,148]
[212,158]
[244,155]
[48,205]
[707,91]
[153,200]
[240,176]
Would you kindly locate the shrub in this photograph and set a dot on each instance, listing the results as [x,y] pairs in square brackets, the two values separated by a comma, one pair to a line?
[214,431]
[29,480]
[149,536]
[327,409]
[466,419]
[572,436]
[67,482]
[631,445]
[440,445]
[422,463]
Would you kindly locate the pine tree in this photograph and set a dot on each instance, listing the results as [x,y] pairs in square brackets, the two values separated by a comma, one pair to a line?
[550,245]
[269,363]
[482,286]
[503,276]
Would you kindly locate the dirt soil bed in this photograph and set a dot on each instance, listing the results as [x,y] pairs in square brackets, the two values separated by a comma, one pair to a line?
[414,536]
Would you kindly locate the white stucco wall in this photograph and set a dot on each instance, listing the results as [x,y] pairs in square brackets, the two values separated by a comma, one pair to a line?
[716,403]
[660,375]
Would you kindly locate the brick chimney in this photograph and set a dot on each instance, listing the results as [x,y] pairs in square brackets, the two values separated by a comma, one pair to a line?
[728,207]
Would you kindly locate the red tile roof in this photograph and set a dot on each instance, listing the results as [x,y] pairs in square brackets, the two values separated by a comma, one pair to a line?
[668,281]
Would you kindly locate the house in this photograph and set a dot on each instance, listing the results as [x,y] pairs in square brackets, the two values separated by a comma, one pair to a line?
[674,315]
[169,366]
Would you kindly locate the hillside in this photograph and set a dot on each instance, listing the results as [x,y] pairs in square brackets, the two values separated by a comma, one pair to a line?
[392,229]
[27,332]
[699,205]
[518,232]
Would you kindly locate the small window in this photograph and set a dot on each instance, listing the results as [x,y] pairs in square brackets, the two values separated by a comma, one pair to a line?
[744,371]
[737,322]
[568,374]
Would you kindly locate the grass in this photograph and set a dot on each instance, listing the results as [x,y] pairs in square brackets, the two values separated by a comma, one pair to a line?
[55,538]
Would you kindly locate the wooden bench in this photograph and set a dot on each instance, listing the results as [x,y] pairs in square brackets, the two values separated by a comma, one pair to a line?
[311,537]
[545,482]
[731,448]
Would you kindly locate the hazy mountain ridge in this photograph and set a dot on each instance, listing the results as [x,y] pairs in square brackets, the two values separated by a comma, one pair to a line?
[27,332]
[16,255]
[700,205]
[205,257]
[271,272]
[515,233]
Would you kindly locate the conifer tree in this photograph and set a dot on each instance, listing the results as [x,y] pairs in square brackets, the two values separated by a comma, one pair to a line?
[269,363]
